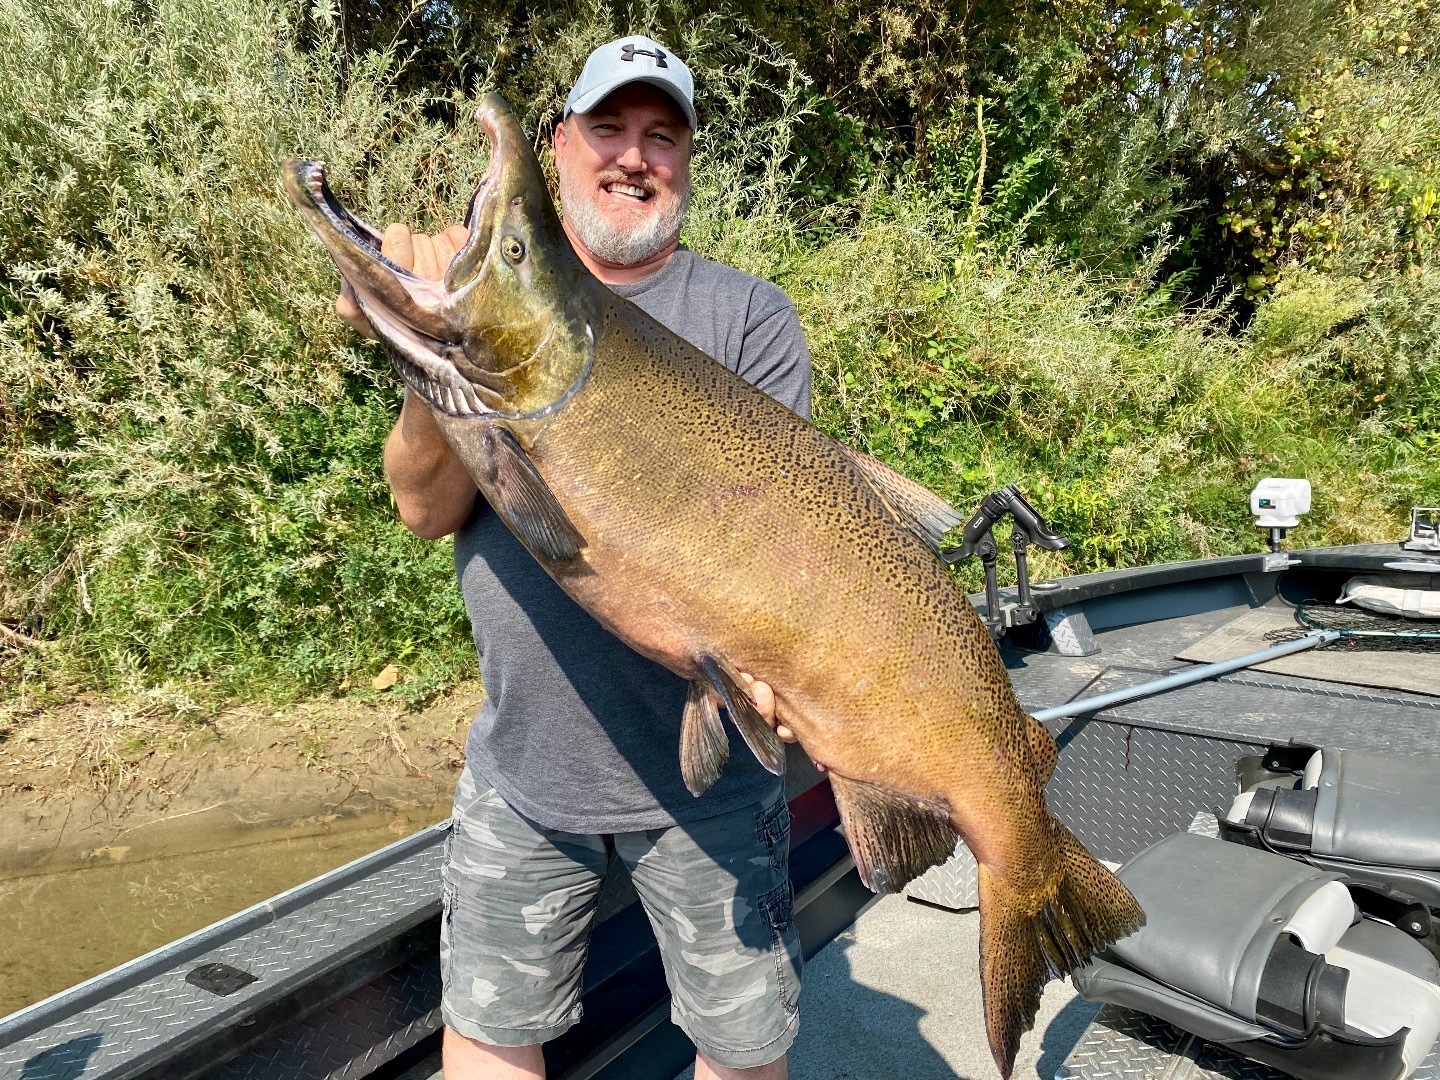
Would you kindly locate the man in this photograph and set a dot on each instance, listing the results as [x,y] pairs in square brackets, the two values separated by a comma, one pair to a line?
[574,758]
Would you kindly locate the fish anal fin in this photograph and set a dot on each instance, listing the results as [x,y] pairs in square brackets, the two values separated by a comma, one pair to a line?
[703,745]
[1042,748]
[758,735]
[517,490]
[1026,939]
[913,505]
[894,837]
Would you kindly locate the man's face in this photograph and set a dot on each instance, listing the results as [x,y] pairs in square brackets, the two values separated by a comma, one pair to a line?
[625,174]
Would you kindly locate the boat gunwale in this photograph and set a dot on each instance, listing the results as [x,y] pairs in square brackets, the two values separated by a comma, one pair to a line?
[66,1003]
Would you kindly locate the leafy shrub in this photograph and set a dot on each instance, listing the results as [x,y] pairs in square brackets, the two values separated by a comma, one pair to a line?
[189,438]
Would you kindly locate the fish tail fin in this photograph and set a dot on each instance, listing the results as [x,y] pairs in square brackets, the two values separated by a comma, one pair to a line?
[1026,940]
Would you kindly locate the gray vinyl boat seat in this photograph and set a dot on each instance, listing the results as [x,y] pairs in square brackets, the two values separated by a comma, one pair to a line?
[1373,817]
[1272,959]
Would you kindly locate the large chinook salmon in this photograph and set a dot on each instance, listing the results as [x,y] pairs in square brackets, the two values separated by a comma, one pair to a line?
[716,532]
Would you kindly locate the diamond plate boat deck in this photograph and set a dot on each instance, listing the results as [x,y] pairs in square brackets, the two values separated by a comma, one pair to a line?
[345,975]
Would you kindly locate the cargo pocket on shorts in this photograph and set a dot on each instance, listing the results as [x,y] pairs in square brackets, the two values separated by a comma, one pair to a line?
[773,827]
[778,908]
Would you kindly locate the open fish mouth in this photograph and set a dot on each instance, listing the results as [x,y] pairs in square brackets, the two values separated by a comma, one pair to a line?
[424,344]
[504,334]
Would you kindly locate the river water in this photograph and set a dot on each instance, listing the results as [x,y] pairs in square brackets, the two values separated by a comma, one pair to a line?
[58,929]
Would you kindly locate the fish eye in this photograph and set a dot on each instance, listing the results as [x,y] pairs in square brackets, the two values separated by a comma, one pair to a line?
[512,248]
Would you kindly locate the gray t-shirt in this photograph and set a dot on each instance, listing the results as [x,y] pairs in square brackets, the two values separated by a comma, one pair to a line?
[578,732]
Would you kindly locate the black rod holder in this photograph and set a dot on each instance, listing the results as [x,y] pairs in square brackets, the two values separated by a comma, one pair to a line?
[978,538]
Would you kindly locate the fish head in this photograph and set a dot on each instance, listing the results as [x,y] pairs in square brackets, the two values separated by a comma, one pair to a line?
[508,332]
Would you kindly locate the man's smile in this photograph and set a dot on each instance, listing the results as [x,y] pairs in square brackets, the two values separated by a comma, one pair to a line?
[627,191]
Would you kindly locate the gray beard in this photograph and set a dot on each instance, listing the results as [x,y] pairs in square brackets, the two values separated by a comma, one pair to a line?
[623,245]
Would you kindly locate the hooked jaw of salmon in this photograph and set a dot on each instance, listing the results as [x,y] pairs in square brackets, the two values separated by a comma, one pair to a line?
[509,331]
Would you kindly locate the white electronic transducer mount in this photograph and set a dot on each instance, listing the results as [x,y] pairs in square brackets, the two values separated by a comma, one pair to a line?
[1277,504]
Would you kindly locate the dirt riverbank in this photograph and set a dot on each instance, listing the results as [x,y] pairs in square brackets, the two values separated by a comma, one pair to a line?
[97,782]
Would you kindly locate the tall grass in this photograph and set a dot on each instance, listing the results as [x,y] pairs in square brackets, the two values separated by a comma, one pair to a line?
[190,487]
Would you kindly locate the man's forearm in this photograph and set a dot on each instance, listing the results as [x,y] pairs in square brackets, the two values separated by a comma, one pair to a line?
[433,492]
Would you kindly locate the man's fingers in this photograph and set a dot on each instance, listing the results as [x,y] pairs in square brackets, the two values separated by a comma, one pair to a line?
[764,699]
[345,305]
[427,256]
[457,235]
[397,245]
[448,245]
[444,252]
[426,264]
[348,309]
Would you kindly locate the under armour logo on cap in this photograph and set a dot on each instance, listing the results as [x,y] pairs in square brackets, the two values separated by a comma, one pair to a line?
[627,52]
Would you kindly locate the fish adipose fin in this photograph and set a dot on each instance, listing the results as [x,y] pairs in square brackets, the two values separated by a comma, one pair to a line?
[758,735]
[895,838]
[523,498]
[703,745]
[1027,940]
[913,505]
[1043,748]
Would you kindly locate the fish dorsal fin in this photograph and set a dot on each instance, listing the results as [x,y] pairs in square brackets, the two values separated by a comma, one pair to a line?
[1044,749]
[517,490]
[913,505]
[703,745]
[895,838]
[758,735]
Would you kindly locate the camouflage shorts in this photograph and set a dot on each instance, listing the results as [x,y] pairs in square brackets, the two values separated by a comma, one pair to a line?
[520,901]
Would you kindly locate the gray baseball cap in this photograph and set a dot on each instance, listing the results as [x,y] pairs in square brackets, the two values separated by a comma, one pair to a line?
[632,59]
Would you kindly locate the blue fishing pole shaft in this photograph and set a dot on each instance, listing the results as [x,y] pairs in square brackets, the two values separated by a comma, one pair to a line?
[1189,675]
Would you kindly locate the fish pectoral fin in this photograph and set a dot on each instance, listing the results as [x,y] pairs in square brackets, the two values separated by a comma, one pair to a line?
[895,837]
[1043,748]
[520,494]
[703,745]
[758,735]
[914,506]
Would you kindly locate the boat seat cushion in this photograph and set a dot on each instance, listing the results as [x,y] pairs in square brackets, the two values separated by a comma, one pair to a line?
[1387,992]
[1375,817]
[1266,955]
[1213,914]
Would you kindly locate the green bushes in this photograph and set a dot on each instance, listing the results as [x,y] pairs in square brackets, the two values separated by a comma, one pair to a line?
[998,284]
[190,485]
